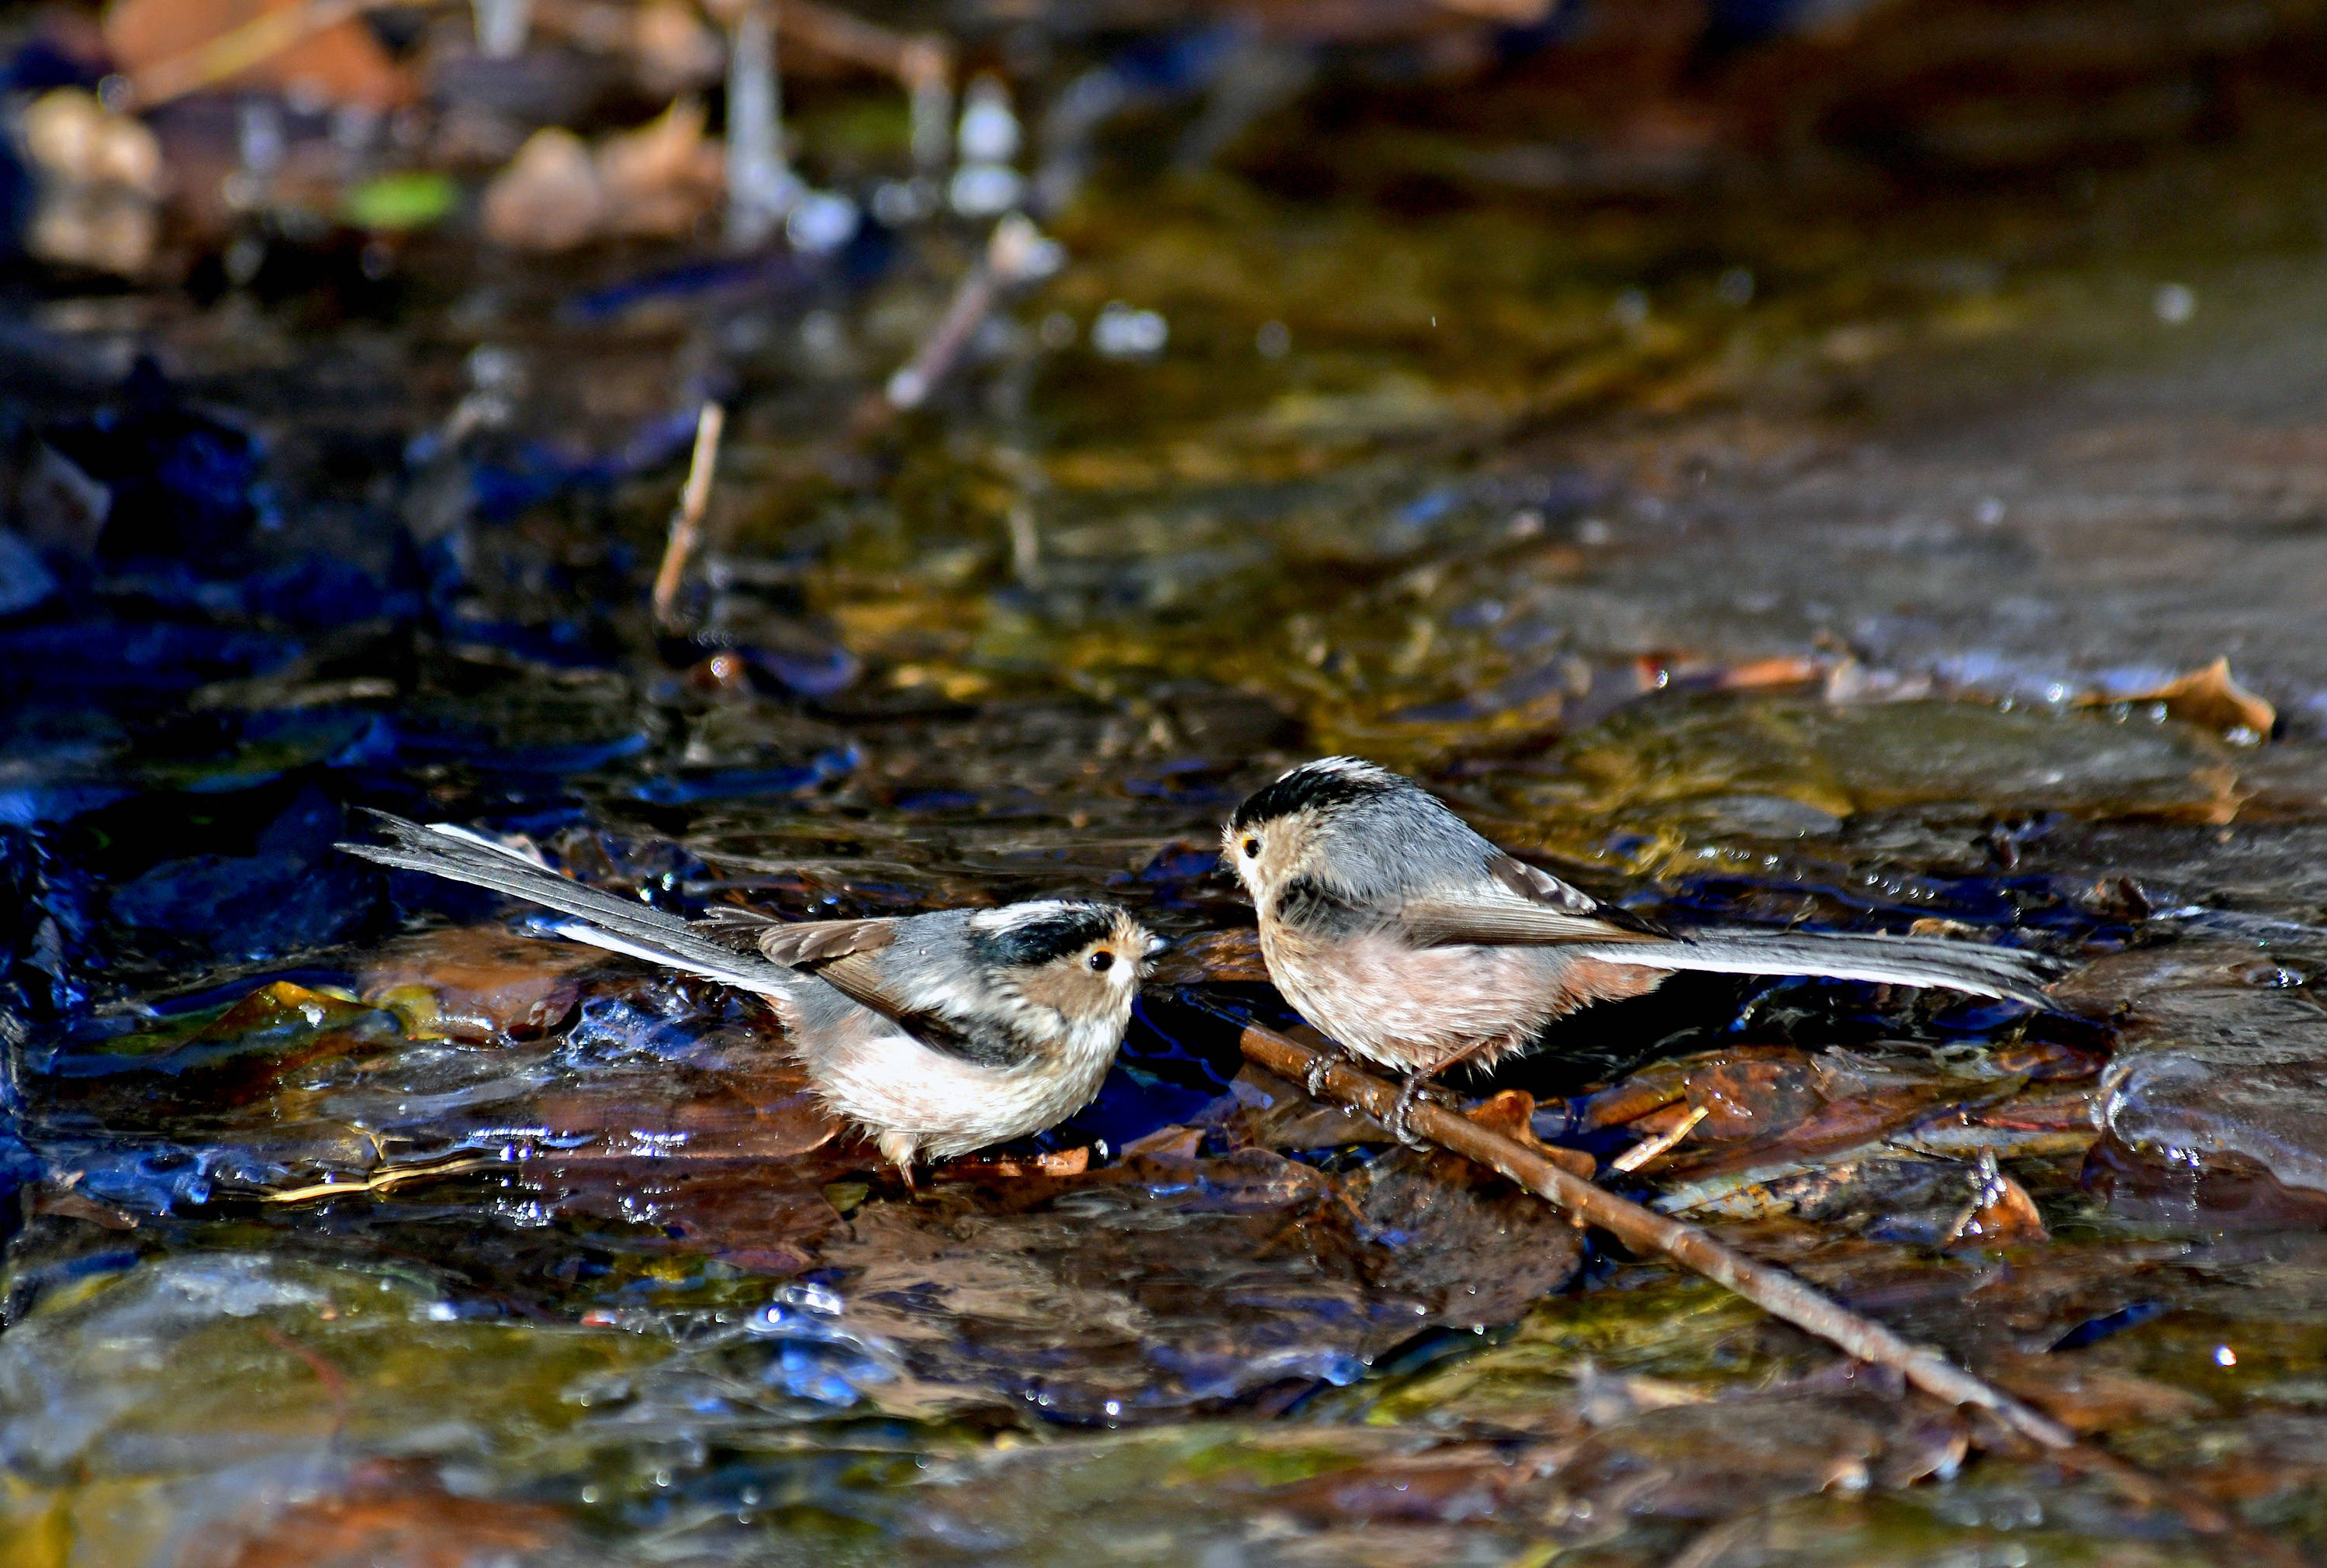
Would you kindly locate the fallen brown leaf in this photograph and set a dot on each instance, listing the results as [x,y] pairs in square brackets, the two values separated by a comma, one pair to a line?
[1470,1482]
[474,983]
[2210,698]
[766,1112]
[2001,1211]
[762,1217]
[340,63]
[1013,1167]
[418,1529]
[549,198]
[73,1205]
[1511,1113]
[1172,1143]
[662,178]
[1746,1092]
[2088,1398]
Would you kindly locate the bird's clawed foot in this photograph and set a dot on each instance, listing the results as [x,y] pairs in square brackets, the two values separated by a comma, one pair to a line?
[1401,1113]
[899,1149]
[1314,1080]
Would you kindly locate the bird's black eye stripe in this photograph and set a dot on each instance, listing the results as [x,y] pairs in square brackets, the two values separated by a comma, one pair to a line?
[1252,849]
[1102,961]
[1056,933]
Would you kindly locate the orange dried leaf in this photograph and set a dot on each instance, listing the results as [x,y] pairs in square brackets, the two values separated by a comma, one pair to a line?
[172,46]
[475,983]
[2001,1211]
[2210,698]
[1511,1113]
[1059,1162]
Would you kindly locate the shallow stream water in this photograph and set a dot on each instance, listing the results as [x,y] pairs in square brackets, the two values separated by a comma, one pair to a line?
[362,1220]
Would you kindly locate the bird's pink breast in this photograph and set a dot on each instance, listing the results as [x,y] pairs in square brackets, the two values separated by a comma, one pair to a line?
[1404,1005]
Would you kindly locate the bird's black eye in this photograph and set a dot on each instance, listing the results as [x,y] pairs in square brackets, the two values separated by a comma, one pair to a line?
[1252,849]
[1102,961]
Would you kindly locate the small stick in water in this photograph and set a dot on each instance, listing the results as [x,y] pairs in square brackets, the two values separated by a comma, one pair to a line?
[1648,1149]
[1773,1289]
[694,499]
[1016,253]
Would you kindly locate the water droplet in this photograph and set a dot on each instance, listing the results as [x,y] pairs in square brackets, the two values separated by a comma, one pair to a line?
[1122,332]
[824,221]
[989,130]
[983,189]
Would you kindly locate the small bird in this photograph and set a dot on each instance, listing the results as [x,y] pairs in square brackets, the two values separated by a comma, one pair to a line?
[935,1033]
[1416,944]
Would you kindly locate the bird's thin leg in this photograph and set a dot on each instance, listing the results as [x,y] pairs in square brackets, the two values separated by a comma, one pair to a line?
[1410,1091]
[1313,1079]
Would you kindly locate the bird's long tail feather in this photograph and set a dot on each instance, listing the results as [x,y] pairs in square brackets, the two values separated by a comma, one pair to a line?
[596,917]
[2004,971]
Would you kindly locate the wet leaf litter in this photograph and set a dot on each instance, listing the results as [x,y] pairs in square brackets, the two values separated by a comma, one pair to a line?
[357,1216]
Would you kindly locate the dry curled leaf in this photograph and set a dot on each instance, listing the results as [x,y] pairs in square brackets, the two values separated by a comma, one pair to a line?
[1511,1113]
[659,179]
[2210,698]
[170,46]
[551,197]
[2000,1211]
[1170,1142]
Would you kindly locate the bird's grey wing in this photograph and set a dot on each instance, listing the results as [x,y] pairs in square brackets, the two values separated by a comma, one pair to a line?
[1515,904]
[796,943]
[856,959]
[959,1030]
[595,917]
[804,943]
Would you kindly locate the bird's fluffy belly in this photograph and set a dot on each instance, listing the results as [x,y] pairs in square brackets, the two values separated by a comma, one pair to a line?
[1405,1006]
[946,1106]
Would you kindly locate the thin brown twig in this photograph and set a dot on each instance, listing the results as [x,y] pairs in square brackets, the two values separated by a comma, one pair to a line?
[838,35]
[1773,1289]
[1649,1149]
[335,1385]
[385,1179]
[911,387]
[1014,253]
[694,501]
